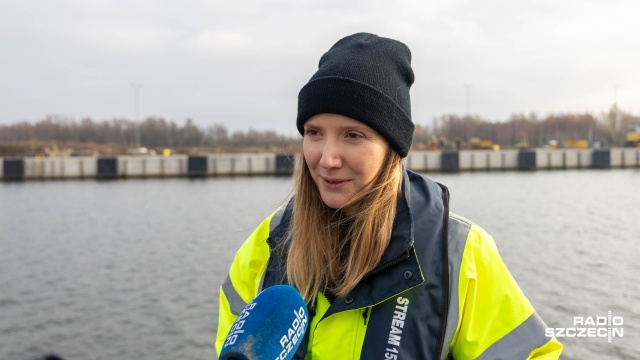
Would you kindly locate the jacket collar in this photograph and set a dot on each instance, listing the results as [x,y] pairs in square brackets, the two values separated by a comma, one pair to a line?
[402,231]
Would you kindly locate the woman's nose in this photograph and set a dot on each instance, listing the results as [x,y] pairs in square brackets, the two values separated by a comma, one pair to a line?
[331,157]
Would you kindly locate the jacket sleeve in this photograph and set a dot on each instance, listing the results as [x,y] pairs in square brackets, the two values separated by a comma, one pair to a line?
[496,320]
[243,281]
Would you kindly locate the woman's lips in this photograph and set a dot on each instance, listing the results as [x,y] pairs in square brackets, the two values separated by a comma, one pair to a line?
[333,183]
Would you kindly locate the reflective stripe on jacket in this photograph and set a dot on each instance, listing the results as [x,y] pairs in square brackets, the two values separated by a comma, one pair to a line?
[428,298]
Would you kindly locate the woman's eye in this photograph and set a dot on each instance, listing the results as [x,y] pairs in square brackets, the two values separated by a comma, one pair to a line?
[353,135]
[310,132]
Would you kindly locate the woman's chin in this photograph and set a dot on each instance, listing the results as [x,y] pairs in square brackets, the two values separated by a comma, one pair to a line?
[334,202]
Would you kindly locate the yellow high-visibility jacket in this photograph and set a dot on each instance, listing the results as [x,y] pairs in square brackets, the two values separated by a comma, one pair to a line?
[441,291]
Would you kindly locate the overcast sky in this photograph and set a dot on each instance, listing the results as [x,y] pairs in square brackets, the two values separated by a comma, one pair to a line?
[242,62]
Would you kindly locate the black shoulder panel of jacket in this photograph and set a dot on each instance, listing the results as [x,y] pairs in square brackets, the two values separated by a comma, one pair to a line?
[275,274]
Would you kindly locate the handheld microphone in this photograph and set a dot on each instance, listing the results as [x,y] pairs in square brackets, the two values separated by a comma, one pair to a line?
[270,327]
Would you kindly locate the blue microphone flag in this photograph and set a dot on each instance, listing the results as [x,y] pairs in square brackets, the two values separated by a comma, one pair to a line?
[270,327]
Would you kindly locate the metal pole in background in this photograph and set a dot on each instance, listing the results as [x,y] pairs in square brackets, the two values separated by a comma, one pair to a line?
[136,90]
[468,115]
[614,119]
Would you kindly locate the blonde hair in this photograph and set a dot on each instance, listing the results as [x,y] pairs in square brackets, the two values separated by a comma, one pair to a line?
[330,249]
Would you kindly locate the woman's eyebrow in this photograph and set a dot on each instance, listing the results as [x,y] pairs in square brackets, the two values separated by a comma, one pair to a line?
[360,128]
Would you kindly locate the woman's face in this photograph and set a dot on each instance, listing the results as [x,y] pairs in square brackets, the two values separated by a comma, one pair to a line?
[343,156]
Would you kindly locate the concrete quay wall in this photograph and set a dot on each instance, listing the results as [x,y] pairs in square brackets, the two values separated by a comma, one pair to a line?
[529,159]
[277,164]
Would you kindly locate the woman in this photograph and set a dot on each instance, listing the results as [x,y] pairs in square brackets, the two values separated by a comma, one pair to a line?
[386,271]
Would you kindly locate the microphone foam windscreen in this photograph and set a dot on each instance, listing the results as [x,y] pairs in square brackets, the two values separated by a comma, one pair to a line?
[270,327]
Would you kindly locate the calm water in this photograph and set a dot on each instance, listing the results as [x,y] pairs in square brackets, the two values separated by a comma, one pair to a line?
[130,269]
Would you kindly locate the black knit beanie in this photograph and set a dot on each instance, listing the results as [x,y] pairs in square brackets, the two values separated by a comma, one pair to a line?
[367,78]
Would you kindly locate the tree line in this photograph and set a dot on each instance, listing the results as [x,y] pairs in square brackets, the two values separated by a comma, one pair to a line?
[530,130]
[153,132]
[156,132]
